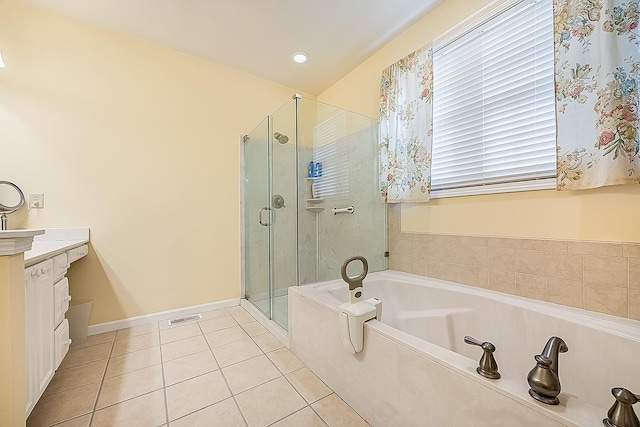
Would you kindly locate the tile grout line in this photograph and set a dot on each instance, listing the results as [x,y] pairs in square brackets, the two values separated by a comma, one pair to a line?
[233,396]
[164,380]
[95,403]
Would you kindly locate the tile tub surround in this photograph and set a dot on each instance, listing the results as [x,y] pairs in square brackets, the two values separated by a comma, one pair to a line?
[594,275]
[223,370]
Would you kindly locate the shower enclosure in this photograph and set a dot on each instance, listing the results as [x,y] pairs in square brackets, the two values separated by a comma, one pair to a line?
[301,164]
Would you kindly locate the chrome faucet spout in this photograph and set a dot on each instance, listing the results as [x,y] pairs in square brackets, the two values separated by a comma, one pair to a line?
[554,346]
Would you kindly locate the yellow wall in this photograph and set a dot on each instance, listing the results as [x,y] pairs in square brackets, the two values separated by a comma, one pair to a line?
[137,142]
[602,214]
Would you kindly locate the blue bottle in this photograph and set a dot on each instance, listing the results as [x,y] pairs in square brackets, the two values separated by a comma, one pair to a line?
[318,169]
[312,170]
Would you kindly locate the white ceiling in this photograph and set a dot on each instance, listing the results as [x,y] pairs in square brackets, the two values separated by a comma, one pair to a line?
[258,36]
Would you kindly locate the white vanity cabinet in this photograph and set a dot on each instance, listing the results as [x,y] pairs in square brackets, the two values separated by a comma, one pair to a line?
[47,331]
[39,329]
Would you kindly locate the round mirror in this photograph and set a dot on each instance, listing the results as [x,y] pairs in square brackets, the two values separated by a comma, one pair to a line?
[11,197]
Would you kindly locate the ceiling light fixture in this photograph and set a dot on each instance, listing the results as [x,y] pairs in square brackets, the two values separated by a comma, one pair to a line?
[1,61]
[299,56]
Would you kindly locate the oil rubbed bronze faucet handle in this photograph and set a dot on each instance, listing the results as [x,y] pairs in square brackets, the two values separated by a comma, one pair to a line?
[487,366]
[621,414]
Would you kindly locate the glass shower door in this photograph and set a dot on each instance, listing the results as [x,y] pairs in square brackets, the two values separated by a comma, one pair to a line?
[270,209]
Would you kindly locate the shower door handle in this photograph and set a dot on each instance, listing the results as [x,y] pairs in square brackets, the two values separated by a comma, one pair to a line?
[268,223]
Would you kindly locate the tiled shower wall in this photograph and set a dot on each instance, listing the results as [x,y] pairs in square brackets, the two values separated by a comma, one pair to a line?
[594,275]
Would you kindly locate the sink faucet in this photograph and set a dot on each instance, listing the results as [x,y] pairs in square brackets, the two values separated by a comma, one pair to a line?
[543,378]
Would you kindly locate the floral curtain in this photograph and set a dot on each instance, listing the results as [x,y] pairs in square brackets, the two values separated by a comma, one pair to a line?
[597,74]
[406,99]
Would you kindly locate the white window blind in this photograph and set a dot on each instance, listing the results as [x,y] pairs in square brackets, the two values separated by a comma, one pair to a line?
[494,114]
[330,148]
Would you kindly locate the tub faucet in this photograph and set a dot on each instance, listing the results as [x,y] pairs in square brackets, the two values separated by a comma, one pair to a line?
[544,379]
[621,413]
[487,367]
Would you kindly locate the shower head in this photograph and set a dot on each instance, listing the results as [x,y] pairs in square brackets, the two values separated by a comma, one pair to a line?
[282,139]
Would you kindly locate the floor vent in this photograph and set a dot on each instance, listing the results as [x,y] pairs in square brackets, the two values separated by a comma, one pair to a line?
[185,319]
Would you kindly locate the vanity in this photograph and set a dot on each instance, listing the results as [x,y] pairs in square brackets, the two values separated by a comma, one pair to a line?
[35,298]
[46,302]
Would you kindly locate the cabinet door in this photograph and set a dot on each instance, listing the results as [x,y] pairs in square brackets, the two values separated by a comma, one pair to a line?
[61,342]
[39,328]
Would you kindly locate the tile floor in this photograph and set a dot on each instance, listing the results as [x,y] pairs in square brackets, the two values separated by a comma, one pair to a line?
[223,370]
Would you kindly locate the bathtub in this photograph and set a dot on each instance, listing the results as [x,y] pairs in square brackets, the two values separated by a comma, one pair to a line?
[416,370]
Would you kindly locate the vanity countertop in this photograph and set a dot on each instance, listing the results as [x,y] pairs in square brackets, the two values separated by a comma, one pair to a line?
[55,241]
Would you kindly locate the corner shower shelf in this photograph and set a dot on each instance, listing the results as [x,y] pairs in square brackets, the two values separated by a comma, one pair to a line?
[313,205]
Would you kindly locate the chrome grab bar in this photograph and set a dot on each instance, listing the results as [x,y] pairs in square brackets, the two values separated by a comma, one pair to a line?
[348,209]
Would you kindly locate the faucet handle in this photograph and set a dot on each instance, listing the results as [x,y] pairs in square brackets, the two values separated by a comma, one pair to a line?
[487,367]
[621,413]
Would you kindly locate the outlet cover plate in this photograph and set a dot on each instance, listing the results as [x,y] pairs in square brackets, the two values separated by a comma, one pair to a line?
[36,200]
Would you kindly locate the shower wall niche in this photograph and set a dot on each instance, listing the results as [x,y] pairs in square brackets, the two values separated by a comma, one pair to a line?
[300,163]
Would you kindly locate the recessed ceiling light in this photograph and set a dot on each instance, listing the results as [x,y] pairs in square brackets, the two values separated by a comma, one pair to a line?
[299,56]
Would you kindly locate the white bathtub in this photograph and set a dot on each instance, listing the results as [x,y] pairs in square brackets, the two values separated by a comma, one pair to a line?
[416,370]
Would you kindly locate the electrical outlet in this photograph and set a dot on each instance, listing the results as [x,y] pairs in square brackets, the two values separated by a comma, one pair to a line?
[36,200]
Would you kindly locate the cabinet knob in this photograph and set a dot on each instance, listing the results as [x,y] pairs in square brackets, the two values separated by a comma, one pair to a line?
[67,298]
[68,342]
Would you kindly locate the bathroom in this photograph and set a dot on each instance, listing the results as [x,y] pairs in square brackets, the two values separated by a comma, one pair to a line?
[98,122]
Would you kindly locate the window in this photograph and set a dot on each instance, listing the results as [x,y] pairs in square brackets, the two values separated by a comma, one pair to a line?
[494,112]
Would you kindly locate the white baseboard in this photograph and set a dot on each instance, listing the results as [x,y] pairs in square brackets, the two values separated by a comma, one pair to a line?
[163,315]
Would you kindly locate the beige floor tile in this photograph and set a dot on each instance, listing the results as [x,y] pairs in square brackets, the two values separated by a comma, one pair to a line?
[180,332]
[237,309]
[236,352]
[335,412]
[194,394]
[308,385]
[211,325]
[226,336]
[267,342]
[84,355]
[285,360]
[134,331]
[243,318]
[223,414]
[185,347]
[106,337]
[130,385]
[55,408]
[188,367]
[305,417]
[214,314]
[254,328]
[66,379]
[82,421]
[136,343]
[269,402]
[146,410]
[129,362]
[250,373]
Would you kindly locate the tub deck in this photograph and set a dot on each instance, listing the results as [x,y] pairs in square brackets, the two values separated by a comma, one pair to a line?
[416,365]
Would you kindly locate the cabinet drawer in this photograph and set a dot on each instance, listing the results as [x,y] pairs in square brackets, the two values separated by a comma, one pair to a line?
[61,342]
[77,253]
[61,300]
[60,266]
